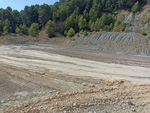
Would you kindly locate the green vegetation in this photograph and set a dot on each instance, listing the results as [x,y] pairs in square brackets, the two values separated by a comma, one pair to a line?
[34,30]
[148,20]
[83,32]
[71,32]
[6,27]
[50,28]
[135,7]
[68,16]
[141,31]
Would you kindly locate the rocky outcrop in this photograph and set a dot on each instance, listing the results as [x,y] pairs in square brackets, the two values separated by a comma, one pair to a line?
[118,43]
[136,20]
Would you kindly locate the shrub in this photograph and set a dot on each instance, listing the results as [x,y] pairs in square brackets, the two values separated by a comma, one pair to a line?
[77,34]
[143,32]
[83,32]
[135,7]
[34,29]
[73,39]
[18,31]
[71,32]
[127,30]
[65,33]
[50,29]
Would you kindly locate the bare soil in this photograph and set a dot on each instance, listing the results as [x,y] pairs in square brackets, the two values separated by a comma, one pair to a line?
[44,78]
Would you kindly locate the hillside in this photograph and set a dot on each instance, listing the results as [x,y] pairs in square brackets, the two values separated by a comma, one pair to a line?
[68,17]
[116,43]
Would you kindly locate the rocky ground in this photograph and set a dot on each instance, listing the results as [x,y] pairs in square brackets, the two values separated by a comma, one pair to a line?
[104,97]
[44,78]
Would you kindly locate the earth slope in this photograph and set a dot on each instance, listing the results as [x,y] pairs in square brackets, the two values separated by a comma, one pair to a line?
[119,43]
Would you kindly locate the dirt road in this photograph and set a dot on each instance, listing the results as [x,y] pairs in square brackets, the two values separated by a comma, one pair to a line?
[41,62]
[34,71]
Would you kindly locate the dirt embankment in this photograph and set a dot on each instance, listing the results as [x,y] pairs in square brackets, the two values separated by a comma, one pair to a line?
[116,43]
[113,43]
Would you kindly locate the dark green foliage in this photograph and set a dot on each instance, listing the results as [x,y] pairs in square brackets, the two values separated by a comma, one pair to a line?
[106,22]
[1,26]
[44,14]
[80,15]
[50,29]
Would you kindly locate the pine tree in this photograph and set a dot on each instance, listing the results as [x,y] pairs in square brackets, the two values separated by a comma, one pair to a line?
[34,30]
[71,32]
[82,23]
[50,28]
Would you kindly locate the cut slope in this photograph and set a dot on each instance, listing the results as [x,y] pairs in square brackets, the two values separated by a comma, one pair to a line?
[120,43]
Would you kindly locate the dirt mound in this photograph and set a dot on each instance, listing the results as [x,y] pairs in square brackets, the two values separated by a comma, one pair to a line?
[14,39]
[107,96]
[119,43]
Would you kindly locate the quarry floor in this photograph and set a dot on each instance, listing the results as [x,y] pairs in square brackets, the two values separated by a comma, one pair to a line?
[44,78]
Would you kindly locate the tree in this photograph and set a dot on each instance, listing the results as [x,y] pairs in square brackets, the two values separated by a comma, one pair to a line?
[45,14]
[1,26]
[71,32]
[5,30]
[24,29]
[34,29]
[85,14]
[6,27]
[93,15]
[91,25]
[72,21]
[30,15]
[18,31]
[135,7]
[119,26]
[50,28]
[82,23]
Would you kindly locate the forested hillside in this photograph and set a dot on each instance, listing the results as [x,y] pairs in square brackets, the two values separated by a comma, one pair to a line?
[68,17]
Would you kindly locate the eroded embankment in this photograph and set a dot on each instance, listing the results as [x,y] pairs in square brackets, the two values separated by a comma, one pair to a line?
[117,43]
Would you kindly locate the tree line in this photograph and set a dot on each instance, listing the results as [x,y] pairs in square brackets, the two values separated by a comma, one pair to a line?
[67,17]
